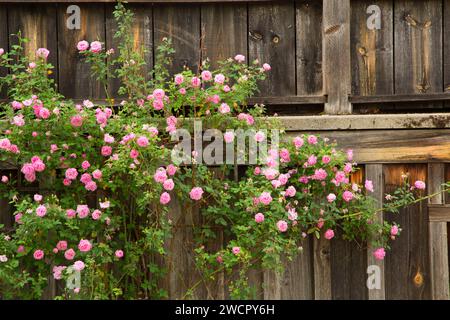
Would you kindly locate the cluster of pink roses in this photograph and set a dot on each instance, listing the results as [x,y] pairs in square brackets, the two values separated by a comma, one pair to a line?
[29,169]
[95,46]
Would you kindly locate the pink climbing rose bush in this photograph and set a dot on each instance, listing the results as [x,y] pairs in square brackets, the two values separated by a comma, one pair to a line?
[108,184]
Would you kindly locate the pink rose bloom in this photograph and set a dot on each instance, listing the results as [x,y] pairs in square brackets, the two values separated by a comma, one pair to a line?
[270,173]
[224,108]
[348,168]
[70,213]
[219,78]
[312,139]
[106,151]
[5,179]
[71,173]
[78,265]
[104,205]
[20,249]
[312,160]
[326,159]
[196,193]
[38,254]
[164,198]
[16,105]
[37,197]
[266,67]
[206,75]
[239,58]
[347,196]
[171,169]
[158,104]
[27,169]
[182,91]
[85,165]
[18,218]
[61,245]
[118,254]
[97,174]
[42,53]
[236,250]
[41,211]
[96,214]
[369,185]
[331,197]
[85,178]
[142,141]
[320,174]
[91,186]
[290,192]
[39,166]
[265,198]
[259,217]
[2,51]
[195,81]
[179,79]
[420,185]
[329,234]
[134,154]
[96,46]
[292,214]
[340,177]
[69,254]
[108,138]
[320,223]
[257,171]
[260,136]
[349,154]
[159,94]
[84,245]
[19,121]
[394,230]
[219,259]
[44,113]
[82,45]
[160,175]
[82,210]
[228,136]
[282,226]
[168,185]
[379,254]
[226,88]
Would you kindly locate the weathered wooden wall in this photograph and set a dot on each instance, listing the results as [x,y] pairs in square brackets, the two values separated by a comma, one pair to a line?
[324,59]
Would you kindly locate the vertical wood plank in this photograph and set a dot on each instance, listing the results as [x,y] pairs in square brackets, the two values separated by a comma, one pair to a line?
[446,45]
[374,172]
[309,47]
[37,22]
[272,285]
[418,47]
[297,281]
[438,237]
[336,56]
[407,271]
[75,80]
[272,40]
[224,31]
[181,23]
[3,42]
[142,31]
[322,269]
[372,51]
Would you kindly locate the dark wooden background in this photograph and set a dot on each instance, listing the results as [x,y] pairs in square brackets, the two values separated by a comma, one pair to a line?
[324,60]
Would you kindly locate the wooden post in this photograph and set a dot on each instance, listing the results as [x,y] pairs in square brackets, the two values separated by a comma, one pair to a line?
[272,285]
[336,56]
[374,172]
[322,269]
[438,237]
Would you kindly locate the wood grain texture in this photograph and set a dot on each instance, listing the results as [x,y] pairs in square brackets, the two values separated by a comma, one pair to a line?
[3,42]
[390,146]
[374,172]
[336,56]
[322,269]
[142,32]
[446,45]
[439,271]
[297,281]
[224,31]
[75,80]
[407,268]
[38,24]
[309,47]
[372,51]
[439,213]
[418,47]
[181,23]
[271,39]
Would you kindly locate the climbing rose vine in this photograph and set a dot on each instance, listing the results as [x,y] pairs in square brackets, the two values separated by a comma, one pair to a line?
[93,202]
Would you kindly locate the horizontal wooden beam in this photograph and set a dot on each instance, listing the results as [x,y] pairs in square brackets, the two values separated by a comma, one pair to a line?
[439,212]
[391,146]
[367,122]
[288,100]
[445,96]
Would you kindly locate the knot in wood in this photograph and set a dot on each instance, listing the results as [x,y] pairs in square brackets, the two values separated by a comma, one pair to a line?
[276,39]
